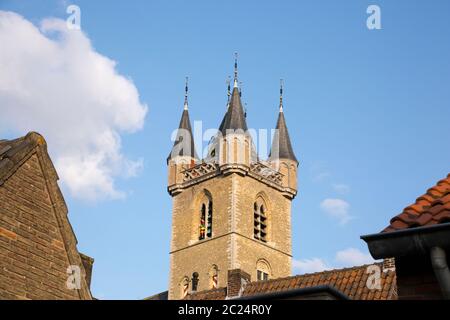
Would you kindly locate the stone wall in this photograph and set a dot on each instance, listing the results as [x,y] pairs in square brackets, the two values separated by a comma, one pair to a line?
[232,245]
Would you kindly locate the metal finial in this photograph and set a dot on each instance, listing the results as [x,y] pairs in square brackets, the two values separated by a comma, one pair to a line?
[186,94]
[228,91]
[281,94]
[228,87]
[235,70]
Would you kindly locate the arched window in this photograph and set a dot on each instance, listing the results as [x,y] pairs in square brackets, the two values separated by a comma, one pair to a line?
[260,221]
[194,281]
[206,215]
[214,277]
[184,287]
[262,270]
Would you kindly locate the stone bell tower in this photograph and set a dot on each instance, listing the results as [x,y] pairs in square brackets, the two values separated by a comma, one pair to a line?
[231,210]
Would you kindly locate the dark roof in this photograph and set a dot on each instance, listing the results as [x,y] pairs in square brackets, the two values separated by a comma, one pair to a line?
[188,147]
[281,144]
[159,296]
[351,282]
[214,294]
[429,209]
[234,118]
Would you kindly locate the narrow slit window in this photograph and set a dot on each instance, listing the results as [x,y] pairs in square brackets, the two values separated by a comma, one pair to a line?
[262,276]
[202,227]
[206,220]
[262,270]
[209,221]
[194,281]
[184,287]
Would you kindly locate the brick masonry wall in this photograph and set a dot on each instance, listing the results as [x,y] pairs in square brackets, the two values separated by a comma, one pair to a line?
[33,256]
[235,281]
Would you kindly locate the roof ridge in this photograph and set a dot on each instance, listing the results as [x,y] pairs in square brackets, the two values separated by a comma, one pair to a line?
[208,290]
[317,273]
[413,215]
[14,151]
[341,269]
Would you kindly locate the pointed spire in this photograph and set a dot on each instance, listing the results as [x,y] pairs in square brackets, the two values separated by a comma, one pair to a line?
[186,94]
[281,95]
[184,141]
[234,118]
[281,144]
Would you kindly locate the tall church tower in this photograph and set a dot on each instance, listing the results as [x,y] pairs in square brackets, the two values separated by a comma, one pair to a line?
[231,210]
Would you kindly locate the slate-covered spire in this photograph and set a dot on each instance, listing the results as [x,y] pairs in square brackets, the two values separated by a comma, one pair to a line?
[184,142]
[281,144]
[234,118]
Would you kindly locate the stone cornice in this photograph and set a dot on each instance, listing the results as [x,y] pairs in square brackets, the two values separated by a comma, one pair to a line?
[206,171]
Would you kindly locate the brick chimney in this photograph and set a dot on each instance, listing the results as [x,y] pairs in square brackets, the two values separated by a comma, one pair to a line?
[237,279]
[388,264]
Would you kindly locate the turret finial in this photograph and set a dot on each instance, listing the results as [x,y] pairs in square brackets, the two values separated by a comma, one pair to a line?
[235,70]
[228,91]
[281,94]
[186,94]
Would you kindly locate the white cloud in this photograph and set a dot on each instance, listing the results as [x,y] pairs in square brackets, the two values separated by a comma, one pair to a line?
[349,257]
[321,176]
[337,208]
[310,265]
[353,257]
[341,188]
[54,82]
[319,171]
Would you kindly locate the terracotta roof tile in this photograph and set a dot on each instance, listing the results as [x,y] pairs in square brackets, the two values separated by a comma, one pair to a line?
[350,281]
[214,294]
[429,209]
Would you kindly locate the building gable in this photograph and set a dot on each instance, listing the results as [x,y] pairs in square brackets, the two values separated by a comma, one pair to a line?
[37,243]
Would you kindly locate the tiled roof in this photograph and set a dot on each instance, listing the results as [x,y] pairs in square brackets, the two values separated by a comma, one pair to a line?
[429,209]
[352,282]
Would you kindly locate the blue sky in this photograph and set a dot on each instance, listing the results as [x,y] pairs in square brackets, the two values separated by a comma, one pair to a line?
[367,112]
